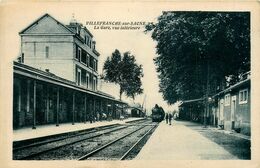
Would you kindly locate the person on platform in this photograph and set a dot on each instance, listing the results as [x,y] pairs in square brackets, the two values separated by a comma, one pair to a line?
[170,119]
[98,117]
[166,118]
[91,118]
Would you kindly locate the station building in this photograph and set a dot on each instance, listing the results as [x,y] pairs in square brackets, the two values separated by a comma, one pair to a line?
[56,77]
[135,110]
[229,109]
[68,51]
[233,109]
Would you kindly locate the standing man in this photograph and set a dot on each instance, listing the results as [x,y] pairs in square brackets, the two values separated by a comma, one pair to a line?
[170,119]
[91,118]
[98,117]
[166,118]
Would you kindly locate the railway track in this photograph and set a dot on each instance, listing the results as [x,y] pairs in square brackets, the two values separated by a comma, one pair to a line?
[18,145]
[45,149]
[121,147]
[46,140]
[145,136]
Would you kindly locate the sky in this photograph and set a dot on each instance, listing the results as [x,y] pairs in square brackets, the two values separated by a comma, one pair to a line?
[136,41]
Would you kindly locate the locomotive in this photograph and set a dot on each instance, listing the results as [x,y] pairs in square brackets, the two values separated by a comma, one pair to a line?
[157,114]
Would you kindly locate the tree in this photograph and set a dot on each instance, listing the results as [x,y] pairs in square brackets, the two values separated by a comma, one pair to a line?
[198,47]
[125,72]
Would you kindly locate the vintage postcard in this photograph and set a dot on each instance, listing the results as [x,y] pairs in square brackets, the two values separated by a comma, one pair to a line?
[129,83]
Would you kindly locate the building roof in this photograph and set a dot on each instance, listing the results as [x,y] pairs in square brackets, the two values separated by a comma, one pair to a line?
[30,72]
[191,101]
[135,106]
[235,86]
[69,29]
[36,22]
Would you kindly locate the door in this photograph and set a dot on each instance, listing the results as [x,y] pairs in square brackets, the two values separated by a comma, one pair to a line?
[221,110]
[233,109]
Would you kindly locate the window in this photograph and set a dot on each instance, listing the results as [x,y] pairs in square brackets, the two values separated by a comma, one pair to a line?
[243,96]
[87,80]
[86,39]
[78,77]
[47,52]
[227,99]
[94,83]
[91,62]
[79,54]
[88,59]
[84,57]
[96,65]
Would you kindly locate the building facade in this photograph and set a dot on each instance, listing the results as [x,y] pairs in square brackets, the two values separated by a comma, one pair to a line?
[233,110]
[229,109]
[55,79]
[68,51]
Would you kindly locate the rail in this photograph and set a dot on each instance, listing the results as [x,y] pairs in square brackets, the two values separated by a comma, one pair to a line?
[127,152]
[108,144]
[69,143]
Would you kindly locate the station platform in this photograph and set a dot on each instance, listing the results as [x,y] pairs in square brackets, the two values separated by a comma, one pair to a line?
[46,130]
[178,142]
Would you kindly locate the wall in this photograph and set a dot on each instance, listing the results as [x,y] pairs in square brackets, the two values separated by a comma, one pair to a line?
[227,114]
[242,112]
[60,55]
[109,88]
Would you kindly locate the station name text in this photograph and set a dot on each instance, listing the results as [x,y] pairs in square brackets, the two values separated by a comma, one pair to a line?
[116,25]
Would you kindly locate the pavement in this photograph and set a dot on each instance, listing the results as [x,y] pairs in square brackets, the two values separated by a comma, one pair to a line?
[179,142]
[45,130]
[232,133]
[216,129]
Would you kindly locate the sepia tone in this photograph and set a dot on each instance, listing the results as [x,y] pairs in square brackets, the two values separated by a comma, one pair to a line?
[64,109]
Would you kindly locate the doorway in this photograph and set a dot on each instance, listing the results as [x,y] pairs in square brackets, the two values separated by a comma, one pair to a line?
[233,109]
